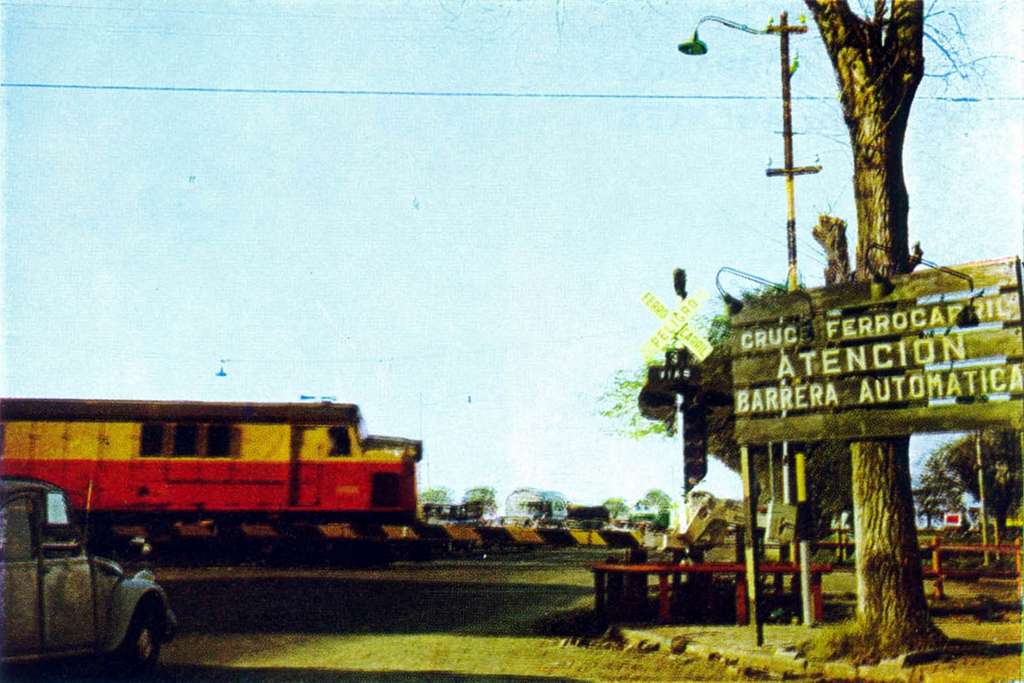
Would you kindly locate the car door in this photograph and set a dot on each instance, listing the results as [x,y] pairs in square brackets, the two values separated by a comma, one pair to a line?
[69,617]
[19,567]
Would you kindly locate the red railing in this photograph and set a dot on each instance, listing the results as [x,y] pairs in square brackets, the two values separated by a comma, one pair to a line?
[939,573]
[666,592]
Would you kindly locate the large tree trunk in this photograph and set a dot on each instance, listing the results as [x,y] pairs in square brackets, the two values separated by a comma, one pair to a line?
[879,64]
[890,597]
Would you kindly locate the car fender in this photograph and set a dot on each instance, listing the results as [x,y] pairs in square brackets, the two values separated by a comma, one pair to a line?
[128,595]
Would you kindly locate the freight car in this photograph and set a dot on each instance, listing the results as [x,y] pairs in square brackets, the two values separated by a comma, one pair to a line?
[262,473]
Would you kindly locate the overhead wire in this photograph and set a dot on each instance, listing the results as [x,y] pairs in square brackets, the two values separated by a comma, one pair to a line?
[360,92]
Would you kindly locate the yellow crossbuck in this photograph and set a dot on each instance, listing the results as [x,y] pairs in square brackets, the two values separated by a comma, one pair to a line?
[676,327]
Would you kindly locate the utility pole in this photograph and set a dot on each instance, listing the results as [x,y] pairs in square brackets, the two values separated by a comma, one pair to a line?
[981,494]
[695,46]
[783,30]
[789,171]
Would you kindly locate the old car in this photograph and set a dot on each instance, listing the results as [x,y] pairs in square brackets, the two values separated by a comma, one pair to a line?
[58,600]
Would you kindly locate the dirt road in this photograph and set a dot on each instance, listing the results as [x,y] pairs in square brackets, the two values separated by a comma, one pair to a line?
[451,620]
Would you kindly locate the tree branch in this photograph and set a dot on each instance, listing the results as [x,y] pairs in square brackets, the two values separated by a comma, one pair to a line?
[903,44]
[841,21]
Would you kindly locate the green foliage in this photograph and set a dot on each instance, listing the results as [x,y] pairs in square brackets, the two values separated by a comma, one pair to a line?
[436,494]
[616,507]
[938,489]
[482,494]
[658,520]
[828,463]
[619,403]
[655,499]
[718,328]
[829,473]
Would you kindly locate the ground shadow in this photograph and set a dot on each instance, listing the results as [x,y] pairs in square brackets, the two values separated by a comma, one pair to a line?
[74,671]
[328,605]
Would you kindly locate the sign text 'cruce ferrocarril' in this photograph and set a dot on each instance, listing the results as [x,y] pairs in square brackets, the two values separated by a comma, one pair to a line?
[899,363]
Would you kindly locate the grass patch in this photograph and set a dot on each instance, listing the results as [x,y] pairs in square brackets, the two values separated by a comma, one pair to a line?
[843,641]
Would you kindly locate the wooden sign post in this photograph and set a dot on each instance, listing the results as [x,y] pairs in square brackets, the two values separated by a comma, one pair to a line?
[937,350]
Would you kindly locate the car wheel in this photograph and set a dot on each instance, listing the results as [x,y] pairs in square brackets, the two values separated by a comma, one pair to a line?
[140,650]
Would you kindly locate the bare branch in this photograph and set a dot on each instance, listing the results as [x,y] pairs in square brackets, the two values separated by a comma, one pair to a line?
[879,16]
[953,61]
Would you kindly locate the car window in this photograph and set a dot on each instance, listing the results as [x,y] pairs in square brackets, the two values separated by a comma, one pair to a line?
[16,530]
[56,509]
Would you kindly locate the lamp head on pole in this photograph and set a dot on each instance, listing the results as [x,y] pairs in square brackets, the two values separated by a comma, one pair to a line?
[694,47]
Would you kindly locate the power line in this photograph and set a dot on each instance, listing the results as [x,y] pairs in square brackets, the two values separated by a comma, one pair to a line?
[449,93]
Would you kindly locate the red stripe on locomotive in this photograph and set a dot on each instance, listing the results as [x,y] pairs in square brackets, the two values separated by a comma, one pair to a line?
[259,458]
[225,486]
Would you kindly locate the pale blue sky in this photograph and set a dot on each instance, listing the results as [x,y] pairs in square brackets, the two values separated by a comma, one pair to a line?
[456,233]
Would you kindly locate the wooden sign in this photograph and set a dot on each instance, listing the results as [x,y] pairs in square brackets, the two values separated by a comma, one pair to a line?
[839,363]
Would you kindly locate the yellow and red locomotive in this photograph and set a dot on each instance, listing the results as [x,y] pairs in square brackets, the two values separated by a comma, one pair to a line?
[233,467]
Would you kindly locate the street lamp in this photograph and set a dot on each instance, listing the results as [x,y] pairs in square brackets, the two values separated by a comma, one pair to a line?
[695,46]
[698,47]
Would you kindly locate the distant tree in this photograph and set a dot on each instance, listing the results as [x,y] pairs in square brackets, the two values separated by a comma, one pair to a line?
[655,499]
[938,489]
[616,507]
[952,468]
[482,494]
[437,495]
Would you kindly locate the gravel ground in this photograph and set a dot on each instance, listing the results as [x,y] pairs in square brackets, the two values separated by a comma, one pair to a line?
[478,619]
[453,620]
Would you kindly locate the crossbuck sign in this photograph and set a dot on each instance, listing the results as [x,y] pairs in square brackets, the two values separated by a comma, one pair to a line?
[676,327]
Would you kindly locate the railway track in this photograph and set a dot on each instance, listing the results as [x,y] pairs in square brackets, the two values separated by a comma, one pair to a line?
[342,542]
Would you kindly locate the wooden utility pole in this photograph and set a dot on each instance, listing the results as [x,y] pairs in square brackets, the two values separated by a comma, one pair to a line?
[983,517]
[784,29]
[789,171]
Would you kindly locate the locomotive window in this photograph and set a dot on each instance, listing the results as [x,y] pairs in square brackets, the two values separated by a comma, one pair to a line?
[385,490]
[152,442]
[341,444]
[218,441]
[186,437]
[16,530]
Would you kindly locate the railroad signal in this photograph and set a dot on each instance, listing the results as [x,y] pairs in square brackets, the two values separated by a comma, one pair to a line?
[675,386]
[695,441]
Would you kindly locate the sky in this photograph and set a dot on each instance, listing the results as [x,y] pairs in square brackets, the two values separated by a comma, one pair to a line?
[445,212]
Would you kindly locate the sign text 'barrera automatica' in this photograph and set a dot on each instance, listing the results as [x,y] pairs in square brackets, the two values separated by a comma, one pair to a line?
[837,363]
